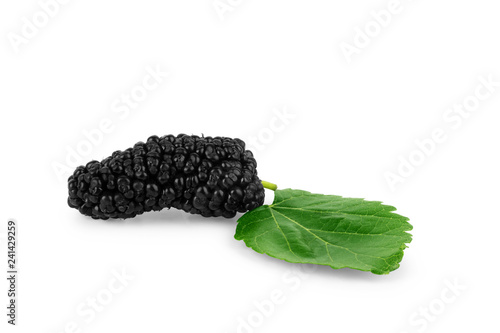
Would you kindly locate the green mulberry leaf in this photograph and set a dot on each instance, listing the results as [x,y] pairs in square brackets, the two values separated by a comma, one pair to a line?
[302,227]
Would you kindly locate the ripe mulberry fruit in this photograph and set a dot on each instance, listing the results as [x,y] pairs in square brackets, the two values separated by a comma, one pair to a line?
[200,175]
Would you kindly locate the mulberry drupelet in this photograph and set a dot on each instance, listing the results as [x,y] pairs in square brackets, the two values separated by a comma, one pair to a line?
[200,175]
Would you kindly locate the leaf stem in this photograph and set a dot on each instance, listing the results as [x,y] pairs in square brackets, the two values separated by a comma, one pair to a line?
[269,185]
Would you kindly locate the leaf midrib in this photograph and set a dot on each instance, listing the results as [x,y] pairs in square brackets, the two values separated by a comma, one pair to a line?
[341,212]
[326,242]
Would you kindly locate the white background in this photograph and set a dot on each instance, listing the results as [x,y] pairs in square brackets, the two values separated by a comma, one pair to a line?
[228,74]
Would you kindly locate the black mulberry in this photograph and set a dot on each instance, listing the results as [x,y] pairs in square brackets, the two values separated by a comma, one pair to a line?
[200,175]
